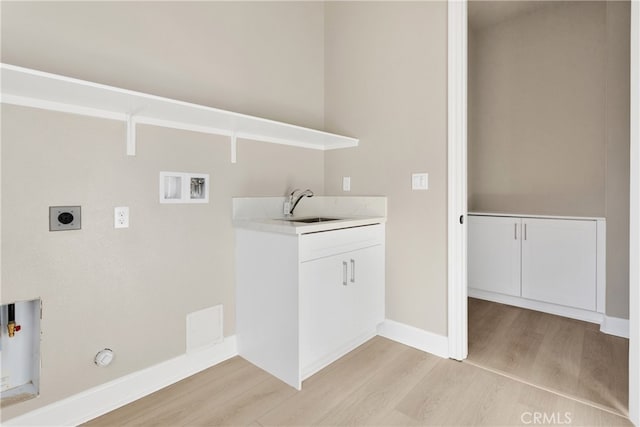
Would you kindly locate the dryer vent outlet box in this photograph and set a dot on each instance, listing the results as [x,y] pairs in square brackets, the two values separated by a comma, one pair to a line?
[63,218]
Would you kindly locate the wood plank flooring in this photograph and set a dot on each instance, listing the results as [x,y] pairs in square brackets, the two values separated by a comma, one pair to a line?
[380,383]
[561,354]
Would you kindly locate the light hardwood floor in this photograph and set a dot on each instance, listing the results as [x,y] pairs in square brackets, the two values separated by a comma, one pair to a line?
[380,383]
[561,354]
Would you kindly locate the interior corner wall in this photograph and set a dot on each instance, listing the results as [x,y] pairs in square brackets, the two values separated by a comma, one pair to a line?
[130,289]
[386,83]
[548,121]
[618,155]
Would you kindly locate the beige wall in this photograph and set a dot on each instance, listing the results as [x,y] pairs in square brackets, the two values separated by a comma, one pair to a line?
[131,289]
[386,82]
[617,146]
[259,58]
[548,121]
[537,128]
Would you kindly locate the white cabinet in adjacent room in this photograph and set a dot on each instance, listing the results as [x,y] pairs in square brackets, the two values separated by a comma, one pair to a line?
[559,262]
[494,254]
[552,264]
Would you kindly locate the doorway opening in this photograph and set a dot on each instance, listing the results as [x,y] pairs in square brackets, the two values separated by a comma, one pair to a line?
[546,145]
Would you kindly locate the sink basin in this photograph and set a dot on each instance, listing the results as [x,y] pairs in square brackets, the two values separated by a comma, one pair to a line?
[311,220]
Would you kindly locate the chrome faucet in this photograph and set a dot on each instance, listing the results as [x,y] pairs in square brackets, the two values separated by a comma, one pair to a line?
[294,198]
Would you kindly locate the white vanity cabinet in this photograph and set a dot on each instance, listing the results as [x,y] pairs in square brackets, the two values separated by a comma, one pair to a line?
[305,300]
[341,295]
[553,264]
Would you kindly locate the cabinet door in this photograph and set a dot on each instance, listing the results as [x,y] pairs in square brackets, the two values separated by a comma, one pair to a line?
[341,298]
[494,254]
[325,298]
[366,277]
[559,262]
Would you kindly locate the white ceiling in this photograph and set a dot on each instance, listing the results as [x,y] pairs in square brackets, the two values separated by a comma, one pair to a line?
[484,13]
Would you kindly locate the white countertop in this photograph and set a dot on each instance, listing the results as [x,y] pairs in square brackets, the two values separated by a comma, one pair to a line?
[290,226]
[515,215]
[265,213]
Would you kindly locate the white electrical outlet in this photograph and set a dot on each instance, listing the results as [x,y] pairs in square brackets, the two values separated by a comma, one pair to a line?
[346,183]
[121,217]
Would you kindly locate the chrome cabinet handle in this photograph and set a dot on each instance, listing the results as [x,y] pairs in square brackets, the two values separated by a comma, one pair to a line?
[344,273]
[353,271]
[515,231]
[525,232]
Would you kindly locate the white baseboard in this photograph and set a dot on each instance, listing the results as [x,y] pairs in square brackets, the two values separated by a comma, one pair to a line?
[92,403]
[545,307]
[608,325]
[414,337]
[615,326]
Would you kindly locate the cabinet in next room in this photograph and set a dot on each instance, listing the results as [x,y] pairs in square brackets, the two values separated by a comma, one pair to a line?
[528,261]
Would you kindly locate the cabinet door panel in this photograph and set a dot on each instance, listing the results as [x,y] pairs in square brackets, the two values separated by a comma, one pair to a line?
[324,306]
[559,262]
[367,270]
[333,314]
[494,254]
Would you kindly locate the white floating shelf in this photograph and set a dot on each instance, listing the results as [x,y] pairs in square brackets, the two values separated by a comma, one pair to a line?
[23,86]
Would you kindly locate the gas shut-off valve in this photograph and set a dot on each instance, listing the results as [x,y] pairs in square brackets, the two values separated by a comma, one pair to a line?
[12,328]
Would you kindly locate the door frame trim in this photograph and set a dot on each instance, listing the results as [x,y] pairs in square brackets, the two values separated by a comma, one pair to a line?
[634,220]
[457,179]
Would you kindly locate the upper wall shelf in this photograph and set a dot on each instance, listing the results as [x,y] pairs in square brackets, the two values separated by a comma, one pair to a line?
[23,86]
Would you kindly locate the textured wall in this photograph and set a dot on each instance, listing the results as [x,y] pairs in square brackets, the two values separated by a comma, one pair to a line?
[386,82]
[131,289]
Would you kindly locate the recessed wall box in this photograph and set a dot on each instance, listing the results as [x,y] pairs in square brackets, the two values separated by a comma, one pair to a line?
[184,187]
[197,188]
[20,349]
[172,187]
[62,218]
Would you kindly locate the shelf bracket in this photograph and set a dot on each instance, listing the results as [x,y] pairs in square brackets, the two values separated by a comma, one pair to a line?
[131,135]
[234,148]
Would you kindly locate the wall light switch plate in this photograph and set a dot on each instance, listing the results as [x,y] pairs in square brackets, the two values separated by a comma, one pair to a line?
[121,217]
[420,181]
[346,183]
